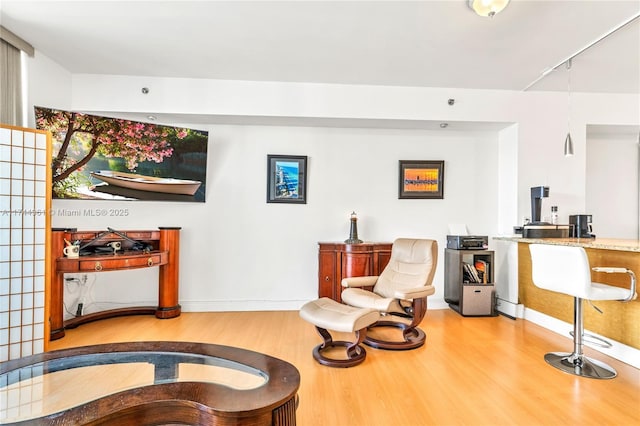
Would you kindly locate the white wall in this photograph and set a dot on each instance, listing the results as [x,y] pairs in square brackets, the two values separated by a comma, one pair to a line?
[238,252]
[612,184]
[49,84]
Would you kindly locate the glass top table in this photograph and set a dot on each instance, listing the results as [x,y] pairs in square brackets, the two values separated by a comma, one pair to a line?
[141,383]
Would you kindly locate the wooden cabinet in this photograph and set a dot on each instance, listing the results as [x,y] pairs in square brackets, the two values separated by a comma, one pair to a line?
[140,249]
[339,260]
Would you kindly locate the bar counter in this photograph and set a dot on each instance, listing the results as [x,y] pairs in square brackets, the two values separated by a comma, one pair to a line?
[620,321]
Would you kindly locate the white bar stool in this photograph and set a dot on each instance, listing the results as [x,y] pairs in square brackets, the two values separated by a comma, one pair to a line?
[565,269]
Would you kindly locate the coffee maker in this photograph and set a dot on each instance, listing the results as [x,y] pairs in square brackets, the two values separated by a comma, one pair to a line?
[581,226]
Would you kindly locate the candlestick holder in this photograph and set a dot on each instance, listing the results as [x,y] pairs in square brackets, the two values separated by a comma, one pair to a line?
[353,231]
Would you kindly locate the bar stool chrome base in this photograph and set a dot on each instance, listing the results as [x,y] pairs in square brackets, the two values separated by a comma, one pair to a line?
[580,365]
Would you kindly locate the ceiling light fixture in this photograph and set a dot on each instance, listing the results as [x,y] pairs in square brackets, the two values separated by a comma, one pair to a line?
[568,143]
[487,8]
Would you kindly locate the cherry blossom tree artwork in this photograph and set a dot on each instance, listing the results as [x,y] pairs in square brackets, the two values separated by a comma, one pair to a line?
[86,146]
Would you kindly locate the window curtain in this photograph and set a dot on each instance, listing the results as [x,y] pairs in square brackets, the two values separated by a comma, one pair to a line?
[10,85]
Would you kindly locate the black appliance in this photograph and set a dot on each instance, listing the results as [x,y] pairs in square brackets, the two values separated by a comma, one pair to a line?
[537,194]
[467,242]
[537,228]
[581,226]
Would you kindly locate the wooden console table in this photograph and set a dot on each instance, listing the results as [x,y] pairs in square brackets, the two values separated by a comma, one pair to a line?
[339,260]
[156,248]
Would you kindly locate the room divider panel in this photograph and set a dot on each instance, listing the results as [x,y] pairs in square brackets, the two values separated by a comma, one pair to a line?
[25,222]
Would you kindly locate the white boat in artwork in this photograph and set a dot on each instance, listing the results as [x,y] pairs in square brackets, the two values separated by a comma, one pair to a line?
[147,183]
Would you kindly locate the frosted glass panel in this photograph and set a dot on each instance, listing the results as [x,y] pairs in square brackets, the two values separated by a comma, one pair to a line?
[29,203]
[16,155]
[5,186]
[16,252]
[39,236]
[26,285]
[29,155]
[5,170]
[16,220]
[5,152]
[16,187]
[41,173]
[29,139]
[16,137]
[41,157]
[16,203]
[5,221]
[16,235]
[41,141]
[16,171]
[40,188]
[28,236]
[5,136]
[28,189]
[4,269]
[29,171]
[38,284]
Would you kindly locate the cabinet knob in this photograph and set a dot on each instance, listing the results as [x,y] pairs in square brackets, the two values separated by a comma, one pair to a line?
[150,261]
[98,266]
[326,278]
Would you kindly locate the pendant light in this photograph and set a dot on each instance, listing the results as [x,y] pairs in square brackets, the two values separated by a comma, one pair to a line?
[568,143]
[487,8]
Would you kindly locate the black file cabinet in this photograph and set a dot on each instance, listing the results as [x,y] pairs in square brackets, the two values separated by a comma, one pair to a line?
[469,288]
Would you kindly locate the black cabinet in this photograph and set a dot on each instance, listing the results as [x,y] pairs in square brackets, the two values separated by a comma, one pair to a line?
[469,281]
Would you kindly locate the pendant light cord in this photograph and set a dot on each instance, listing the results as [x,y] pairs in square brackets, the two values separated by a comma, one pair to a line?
[569,96]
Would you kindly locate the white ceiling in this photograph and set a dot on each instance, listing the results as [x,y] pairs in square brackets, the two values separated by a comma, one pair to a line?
[410,43]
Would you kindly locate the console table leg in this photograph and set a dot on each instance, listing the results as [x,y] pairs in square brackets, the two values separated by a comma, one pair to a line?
[168,306]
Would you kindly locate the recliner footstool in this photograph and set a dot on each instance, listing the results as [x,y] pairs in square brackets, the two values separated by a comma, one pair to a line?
[327,314]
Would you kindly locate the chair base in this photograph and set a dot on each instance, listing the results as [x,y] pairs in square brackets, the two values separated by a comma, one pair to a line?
[356,354]
[580,365]
[413,337]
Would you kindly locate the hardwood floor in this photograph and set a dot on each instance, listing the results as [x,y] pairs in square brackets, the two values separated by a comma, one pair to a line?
[472,371]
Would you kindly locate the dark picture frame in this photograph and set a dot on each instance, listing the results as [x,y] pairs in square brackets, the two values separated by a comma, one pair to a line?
[287,179]
[421,179]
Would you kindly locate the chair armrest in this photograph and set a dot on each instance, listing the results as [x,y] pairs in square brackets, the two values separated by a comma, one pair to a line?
[360,281]
[415,293]
[632,276]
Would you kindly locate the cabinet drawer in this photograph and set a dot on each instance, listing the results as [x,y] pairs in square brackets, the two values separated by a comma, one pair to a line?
[115,263]
[477,300]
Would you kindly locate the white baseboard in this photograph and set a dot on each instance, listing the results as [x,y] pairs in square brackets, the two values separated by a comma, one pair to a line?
[509,309]
[618,350]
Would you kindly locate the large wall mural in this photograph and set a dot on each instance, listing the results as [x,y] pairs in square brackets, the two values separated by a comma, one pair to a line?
[96,157]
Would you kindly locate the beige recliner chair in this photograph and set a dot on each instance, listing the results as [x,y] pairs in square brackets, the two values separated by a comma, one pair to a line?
[401,291]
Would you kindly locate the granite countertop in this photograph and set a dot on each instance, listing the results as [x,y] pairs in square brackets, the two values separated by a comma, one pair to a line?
[594,243]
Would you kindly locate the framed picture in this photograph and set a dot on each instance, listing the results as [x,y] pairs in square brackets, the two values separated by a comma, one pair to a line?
[421,179]
[287,179]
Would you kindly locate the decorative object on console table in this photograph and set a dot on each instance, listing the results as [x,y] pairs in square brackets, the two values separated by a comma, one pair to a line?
[139,249]
[287,179]
[421,179]
[353,230]
[339,260]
